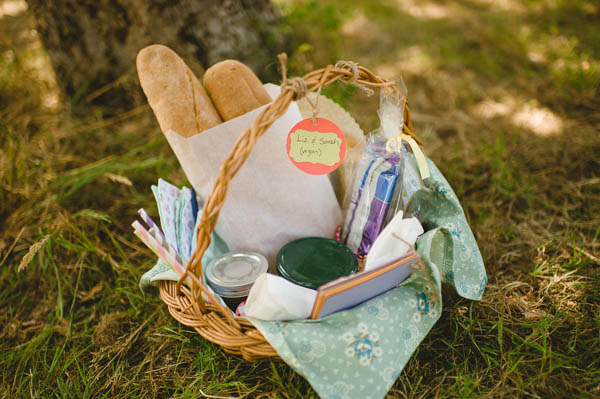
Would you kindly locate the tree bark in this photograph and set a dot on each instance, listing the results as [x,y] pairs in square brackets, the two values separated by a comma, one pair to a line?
[92,43]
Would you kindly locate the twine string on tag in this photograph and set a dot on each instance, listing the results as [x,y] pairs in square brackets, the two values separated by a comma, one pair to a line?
[395,143]
[314,106]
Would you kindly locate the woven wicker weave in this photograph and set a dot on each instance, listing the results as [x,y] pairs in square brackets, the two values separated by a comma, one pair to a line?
[186,304]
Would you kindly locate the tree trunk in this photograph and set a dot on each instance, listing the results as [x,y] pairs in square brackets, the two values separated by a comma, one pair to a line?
[92,43]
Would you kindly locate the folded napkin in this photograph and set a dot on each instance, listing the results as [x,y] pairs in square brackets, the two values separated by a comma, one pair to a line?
[275,298]
[179,222]
[396,239]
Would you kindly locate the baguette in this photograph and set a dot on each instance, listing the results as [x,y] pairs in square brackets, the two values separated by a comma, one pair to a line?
[177,98]
[234,89]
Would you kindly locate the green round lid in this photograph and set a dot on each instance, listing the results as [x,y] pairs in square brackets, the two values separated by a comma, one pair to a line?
[314,261]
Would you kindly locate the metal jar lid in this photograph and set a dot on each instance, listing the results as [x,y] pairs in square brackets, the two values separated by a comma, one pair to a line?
[233,274]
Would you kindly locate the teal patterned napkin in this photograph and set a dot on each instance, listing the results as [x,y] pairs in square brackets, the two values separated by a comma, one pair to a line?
[436,205]
[359,352]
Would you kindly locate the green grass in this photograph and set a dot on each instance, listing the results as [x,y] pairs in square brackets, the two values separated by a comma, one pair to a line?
[74,323]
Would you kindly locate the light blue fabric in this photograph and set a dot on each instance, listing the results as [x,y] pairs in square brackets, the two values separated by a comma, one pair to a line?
[359,352]
[436,205]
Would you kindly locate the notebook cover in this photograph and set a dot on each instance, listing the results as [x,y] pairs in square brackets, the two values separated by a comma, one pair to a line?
[346,292]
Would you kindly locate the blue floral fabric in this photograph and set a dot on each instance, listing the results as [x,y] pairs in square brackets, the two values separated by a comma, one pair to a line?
[359,352]
[436,205]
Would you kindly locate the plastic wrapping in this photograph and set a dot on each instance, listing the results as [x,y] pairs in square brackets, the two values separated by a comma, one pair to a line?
[376,193]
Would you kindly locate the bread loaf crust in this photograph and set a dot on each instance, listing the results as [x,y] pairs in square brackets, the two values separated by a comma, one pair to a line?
[176,96]
[234,89]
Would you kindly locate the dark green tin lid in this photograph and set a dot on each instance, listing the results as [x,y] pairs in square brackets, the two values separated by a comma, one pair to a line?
[314,261]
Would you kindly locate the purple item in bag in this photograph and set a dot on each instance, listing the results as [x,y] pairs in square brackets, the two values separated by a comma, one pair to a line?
[375,184]
[384,191]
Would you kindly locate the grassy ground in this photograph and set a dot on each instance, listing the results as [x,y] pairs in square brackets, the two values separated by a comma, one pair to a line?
[506,95]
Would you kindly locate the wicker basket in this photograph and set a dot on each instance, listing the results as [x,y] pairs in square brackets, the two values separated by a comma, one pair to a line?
[213,321]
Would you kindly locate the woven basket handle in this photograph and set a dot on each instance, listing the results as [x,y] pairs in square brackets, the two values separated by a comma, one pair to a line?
[292,89]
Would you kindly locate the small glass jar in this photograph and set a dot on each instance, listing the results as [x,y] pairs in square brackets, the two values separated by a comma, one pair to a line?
[232,275]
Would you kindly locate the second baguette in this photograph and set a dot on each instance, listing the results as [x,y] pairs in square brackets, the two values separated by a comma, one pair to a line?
[234,89]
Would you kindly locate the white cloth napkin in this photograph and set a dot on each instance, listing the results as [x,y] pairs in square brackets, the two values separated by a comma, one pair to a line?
[275,298]
[398,237]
